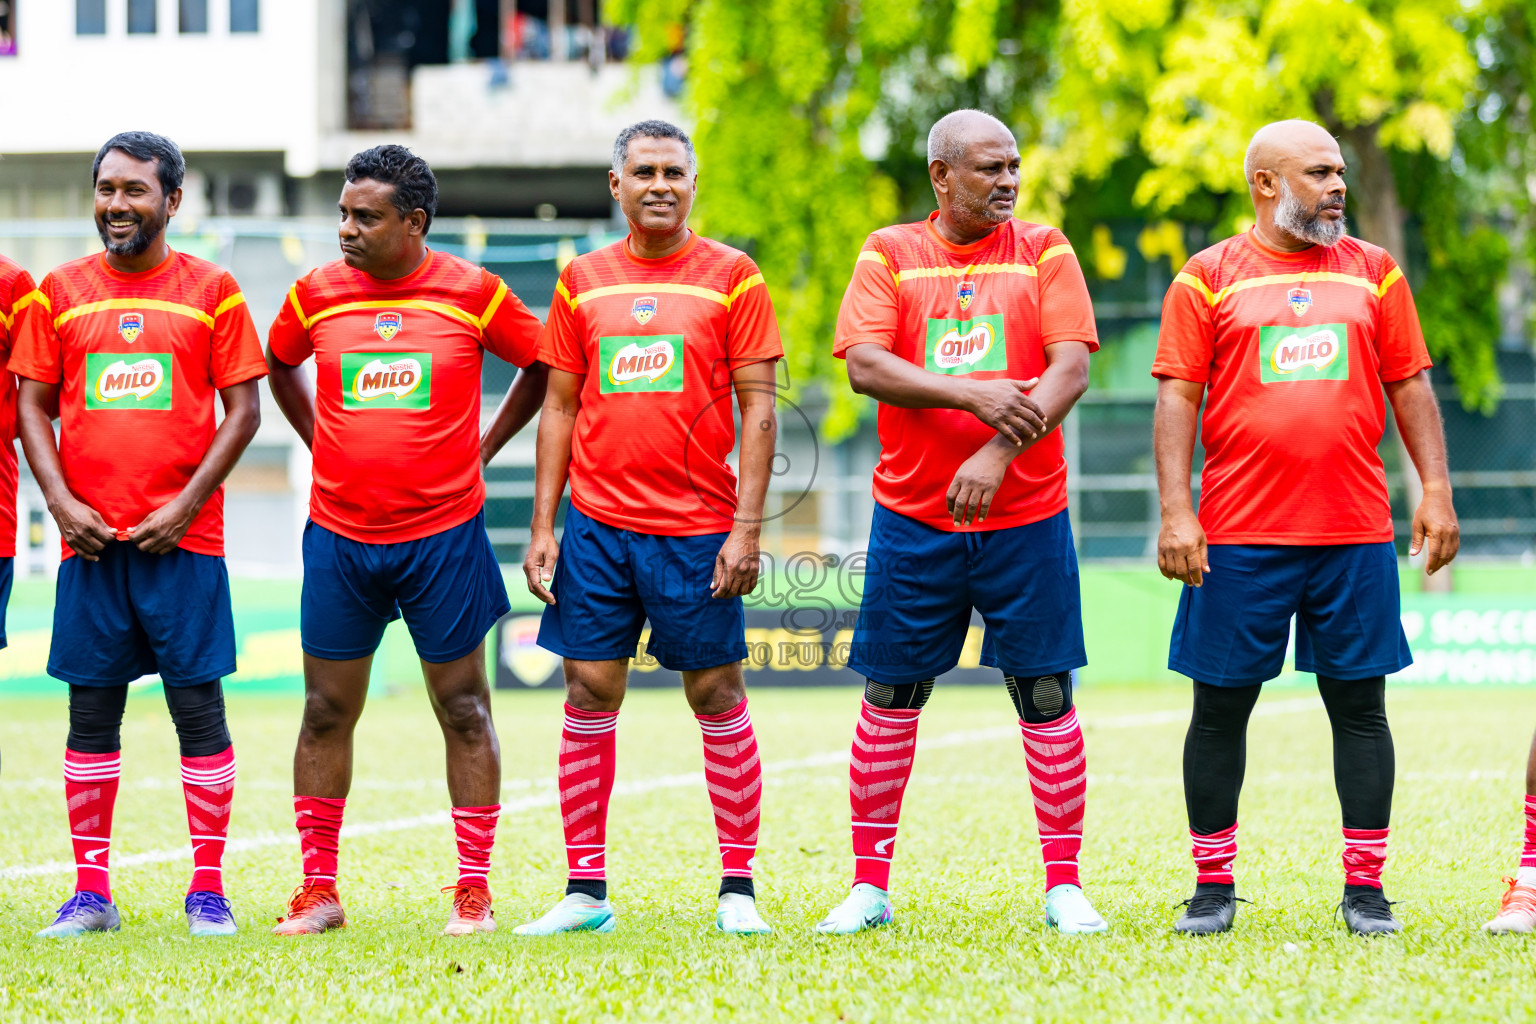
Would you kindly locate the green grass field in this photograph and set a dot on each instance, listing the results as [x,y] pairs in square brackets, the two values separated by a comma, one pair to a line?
[968,943]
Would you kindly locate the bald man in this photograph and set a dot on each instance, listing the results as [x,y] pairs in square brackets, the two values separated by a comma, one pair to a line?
[972,330]
[1290,332]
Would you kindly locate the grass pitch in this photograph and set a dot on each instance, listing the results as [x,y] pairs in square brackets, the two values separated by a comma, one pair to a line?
[968,943]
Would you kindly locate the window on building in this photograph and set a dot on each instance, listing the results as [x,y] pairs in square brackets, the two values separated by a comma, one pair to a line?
[194,17]
[245,15]
[141,17]
[90,17]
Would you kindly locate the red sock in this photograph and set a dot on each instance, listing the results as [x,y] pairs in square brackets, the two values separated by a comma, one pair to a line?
[734,776]
[208,784]
[90,791]
[1214,855]
[1365,853]
[475,829]
[587,759]
[884,743]
[1528,851]
[319,822]
[1058,777]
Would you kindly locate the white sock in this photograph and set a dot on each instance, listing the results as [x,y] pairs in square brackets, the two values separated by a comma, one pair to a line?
[1526,876]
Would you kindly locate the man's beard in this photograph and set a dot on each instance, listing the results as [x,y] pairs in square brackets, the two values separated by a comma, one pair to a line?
[143,237]
[980,207]
[1292,217]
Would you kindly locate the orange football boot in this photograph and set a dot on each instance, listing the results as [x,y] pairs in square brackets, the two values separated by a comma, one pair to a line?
[313,908]
[471,910]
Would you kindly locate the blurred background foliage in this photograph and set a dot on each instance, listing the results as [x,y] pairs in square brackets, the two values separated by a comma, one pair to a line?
[811,118]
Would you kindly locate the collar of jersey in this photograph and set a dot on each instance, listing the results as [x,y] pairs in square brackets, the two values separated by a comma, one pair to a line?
[688,247]
[143,275]
[960,250]
[1304,256]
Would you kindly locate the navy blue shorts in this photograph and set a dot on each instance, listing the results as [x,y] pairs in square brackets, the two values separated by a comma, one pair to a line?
[447,586]
[921,584]
[133,614]
[1233,630]
[7,577]
[608,581]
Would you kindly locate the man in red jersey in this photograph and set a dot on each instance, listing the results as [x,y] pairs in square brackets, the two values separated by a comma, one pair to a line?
[647,339]
[1290,331]
[128,347]
[16,287]
[398,332]
[973,331]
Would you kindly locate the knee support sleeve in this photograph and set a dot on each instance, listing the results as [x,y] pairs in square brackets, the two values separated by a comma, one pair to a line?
[907,696]
[198,712]
[1042,699]
[96,718]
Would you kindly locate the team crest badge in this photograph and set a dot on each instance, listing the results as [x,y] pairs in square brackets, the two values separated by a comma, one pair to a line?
[965,293]
[1300,300]
[643,309]
[387,325]
[130,326]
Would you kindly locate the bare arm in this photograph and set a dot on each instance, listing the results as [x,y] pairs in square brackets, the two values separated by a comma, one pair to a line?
[517,407]
[1002,405]
[1418,421]
[557,422]
[1062,383]
[1181,553]
[82,527]
[736,566]
[295,396]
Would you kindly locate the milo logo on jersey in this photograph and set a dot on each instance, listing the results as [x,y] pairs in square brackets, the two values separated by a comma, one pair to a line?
[386,380]
[1314,352]
[138,380]
[965,346]
[650,363]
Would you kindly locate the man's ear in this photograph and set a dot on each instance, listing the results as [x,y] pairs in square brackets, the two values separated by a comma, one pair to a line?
[173,202]
[1266,182]
[417,219]
[938,176]
[613,184]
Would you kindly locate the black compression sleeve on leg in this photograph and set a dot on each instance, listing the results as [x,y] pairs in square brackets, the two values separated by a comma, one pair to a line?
[198,712]
[1216,755]
[1364,762]
[907,696]
[1041,699]
[96,718]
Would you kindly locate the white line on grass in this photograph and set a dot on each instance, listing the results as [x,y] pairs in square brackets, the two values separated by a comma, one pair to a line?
[549,797]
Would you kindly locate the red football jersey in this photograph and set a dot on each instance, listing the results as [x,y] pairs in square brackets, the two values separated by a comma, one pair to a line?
[138,358]
[15,291]
[1293,348]
[397,390]
[986,310]
[661,338]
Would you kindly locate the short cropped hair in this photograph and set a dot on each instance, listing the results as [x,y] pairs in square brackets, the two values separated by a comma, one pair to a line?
[414,183]
[170,167]
[651,130]
[945,139]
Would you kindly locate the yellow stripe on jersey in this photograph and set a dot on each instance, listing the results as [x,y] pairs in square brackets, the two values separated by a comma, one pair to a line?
[873,256]
[298,310]
[6,320]
[1194,282]
[1054,251]
[432,307]
[745,286]
[564,292]
[237,299]
[1214,298]
[495,304]
[159,305]
[35,295]
[664,287]
[1393,276]
[984,268]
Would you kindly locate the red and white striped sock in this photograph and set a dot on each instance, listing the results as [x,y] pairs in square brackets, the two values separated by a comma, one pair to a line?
[1528,849]
[1214,855]
[319,822]
[1365,854]
[884,743]
[90,793]
[588,756]
[734,775]
[475,830]
[208,786]
[1058,778]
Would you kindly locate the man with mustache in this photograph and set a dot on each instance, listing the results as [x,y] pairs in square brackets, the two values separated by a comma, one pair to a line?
[1289,332]
[129,347]
[973,331]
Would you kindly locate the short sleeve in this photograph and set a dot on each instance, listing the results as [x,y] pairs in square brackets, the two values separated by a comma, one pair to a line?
[870,311]
[1186,338]
[1066,311]
[11,307]
[36,349]
[752,332]
[509,330]
[288,337]
[560,346]
[1399,337]
[236,346]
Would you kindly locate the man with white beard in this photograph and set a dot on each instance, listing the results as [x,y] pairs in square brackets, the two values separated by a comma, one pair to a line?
[1290,331]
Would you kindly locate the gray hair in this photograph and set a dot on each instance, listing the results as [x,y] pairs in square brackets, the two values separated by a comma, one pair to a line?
[946,139]
[651,130]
